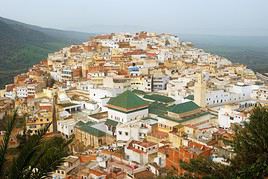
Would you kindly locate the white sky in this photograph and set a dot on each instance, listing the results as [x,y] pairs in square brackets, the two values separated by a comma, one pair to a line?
[220,17]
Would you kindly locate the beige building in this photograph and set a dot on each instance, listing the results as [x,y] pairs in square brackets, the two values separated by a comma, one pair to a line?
[38,121]
[200,91]
[90,136]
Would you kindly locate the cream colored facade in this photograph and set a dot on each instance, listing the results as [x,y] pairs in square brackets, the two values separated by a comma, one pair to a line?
[89,140]
[39,121]
[200,91]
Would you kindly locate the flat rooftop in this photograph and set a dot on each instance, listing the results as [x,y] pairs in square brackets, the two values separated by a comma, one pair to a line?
[100,115]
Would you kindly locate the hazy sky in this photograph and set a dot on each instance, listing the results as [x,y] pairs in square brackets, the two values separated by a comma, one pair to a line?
[222,17]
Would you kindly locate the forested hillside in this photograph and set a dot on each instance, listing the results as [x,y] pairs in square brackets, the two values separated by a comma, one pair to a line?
[22,45]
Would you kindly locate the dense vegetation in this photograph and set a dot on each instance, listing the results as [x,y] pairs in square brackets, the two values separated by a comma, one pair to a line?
[23,45]
[36,155]
[251,148]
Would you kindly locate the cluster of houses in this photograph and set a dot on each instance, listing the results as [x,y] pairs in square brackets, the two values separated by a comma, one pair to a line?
[136,104]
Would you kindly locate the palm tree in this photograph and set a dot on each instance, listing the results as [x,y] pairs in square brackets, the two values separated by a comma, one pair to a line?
[37,156]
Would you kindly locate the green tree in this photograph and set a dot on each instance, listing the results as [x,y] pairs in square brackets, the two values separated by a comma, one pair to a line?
[37,157]
[250,146]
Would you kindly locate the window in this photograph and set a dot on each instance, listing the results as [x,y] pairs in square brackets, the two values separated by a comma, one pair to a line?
[120,132]
[126,133]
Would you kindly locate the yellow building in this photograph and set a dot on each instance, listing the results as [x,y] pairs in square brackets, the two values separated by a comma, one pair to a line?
[179,132]
[175,137]
[38,121]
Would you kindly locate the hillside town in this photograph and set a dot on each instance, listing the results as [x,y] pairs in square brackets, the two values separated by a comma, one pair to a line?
[135,104]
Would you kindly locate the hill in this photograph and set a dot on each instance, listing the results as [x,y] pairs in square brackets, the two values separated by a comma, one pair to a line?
[22,45]
[249,50]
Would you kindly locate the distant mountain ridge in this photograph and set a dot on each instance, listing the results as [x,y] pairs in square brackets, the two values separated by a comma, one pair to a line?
[22,45]
[249,50]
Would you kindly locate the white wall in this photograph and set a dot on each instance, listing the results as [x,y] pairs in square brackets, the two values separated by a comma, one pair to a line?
[66,127]
[236,93]
[126,117]
[227,116]
[22,92]
[134,131]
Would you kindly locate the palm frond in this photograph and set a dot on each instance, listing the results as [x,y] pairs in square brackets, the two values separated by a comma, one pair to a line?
[22,162]
[50,157]
[4,144]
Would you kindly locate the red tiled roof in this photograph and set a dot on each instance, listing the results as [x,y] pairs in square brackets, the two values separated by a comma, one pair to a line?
[135,150]
[151,54]
[96,172]
[159,134]
[145,144]
[87,158]
[135,52]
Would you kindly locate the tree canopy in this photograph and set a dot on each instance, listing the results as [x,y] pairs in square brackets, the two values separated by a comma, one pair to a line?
[37,156]
[250,146]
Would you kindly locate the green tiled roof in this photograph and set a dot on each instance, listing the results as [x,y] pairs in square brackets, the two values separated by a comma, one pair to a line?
[160,98]
[87,127]
[158,108]
[190,97]
[184,107]
[110,122]
[139,92]
[127,100]
[184,119]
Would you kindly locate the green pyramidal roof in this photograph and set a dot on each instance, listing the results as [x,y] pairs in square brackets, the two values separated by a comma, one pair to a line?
[160,98]
[127,100]
[184,107]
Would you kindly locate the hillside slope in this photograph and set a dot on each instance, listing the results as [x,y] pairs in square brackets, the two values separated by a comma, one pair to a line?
[22,45]
[249,50]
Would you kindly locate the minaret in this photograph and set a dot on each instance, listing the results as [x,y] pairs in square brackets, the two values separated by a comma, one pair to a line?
[200,88]
[54,111]
[84,69]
